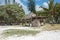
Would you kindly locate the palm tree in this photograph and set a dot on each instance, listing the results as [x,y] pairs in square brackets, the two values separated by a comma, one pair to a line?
[51,10]
[57,14]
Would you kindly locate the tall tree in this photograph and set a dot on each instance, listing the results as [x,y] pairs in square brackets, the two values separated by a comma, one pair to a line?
[13,1]
[5,1]
[31,6]
[57,13]
[9,1]
[51,10]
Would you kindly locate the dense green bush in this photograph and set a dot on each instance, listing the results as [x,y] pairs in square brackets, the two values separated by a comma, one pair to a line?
[11,13]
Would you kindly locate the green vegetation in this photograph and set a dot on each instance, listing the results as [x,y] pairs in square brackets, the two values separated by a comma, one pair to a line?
[52,12]
[31,6]
[11,13]
[18,32]
[49,27]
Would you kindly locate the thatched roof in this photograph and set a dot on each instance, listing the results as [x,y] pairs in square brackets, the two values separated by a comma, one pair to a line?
[30,15]
[33,16]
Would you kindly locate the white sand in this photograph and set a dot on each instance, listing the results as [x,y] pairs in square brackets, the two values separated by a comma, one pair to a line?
[45,35]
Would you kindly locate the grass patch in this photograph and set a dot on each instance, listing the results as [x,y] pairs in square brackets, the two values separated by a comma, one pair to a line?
[18,32]
[49,27]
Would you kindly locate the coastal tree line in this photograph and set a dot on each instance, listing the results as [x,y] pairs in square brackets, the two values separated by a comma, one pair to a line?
[11,14]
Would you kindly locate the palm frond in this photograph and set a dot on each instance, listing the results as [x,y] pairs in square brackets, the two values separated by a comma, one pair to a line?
[45,9]
[51,5]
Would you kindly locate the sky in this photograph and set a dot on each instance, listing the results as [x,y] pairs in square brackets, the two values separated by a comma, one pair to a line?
[38,3]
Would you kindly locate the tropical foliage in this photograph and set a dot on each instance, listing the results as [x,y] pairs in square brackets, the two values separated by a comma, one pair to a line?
[11,13]
[31,6]
[52,11]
